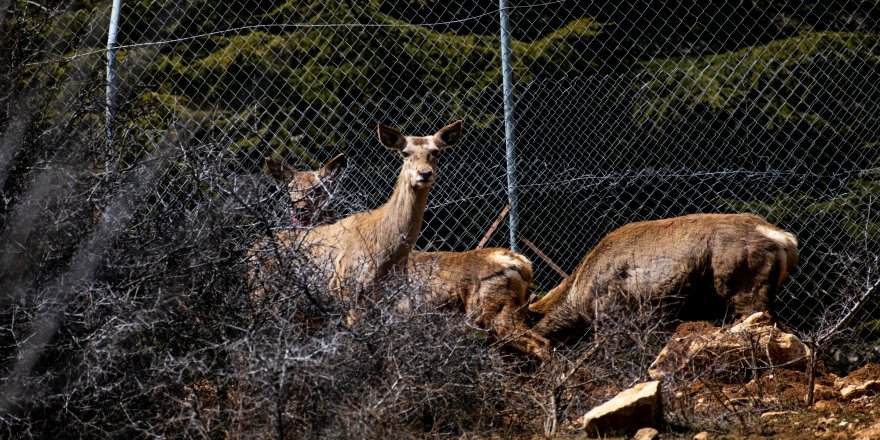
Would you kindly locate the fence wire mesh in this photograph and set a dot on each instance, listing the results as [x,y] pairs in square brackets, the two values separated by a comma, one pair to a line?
[624,111]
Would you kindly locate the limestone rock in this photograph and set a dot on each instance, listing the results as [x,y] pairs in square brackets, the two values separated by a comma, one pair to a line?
[871,387]
[647,434]
[640,405]
[752,342]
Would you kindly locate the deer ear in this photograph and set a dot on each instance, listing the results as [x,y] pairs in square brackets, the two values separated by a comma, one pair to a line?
[334,167]
[278,170]
[390,137]
[449,135]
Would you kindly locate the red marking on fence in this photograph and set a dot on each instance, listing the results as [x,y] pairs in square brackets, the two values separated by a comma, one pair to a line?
[493,227]
[525,241]
[543,256]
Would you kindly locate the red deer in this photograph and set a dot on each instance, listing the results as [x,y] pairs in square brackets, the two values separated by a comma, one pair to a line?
[356,251]
[489,285]
[696,261]
[309,191]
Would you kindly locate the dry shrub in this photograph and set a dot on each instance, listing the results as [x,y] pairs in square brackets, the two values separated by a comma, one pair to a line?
[144,326]
[611,356]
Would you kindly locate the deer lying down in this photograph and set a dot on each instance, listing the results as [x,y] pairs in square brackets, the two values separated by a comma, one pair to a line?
[489,285]
[697,263]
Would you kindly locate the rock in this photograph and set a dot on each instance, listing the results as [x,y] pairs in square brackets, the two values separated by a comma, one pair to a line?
[647,434]
[774,414]
[823,405]
[702,436]
[850,392]
[864,381]
[752,342]
[640,405]
[827,421]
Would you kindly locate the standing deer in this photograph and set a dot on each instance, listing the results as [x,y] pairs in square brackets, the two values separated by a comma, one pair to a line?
[309,191]
[360,249]
[698,262]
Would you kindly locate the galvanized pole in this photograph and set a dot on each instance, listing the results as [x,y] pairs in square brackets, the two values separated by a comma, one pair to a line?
[111,66]
[507,75]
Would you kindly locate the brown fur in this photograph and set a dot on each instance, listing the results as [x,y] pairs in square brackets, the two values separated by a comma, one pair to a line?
[360,249]
[695,261]
[308,190]
[489,285]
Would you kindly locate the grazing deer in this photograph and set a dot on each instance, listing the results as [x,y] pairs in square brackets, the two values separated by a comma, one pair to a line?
[700,262]
[309,191]
[490,285]
[360,249]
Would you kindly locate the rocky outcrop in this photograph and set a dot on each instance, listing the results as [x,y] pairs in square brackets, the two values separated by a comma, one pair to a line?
[753,342]
[862,382]
[869,388]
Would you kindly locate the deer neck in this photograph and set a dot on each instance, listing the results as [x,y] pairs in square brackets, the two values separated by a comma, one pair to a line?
[404,211]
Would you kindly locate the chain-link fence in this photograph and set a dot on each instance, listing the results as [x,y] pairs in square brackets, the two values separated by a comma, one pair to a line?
[623,111]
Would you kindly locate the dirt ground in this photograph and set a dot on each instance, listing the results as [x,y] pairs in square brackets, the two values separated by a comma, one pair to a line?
[768,404]
[773,407]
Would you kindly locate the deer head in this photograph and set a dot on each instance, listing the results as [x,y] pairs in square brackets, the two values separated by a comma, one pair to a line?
[309,191]
[420,153]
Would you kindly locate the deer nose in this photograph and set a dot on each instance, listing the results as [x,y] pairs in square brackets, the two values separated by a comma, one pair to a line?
[426,174]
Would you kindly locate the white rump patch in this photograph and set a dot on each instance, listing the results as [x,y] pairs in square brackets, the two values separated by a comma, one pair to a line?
[506,260]
[778,236]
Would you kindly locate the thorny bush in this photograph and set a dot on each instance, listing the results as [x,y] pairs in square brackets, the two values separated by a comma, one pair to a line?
[128,314]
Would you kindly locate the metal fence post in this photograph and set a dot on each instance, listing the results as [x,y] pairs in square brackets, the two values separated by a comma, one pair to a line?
[507,74]
[111,65]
